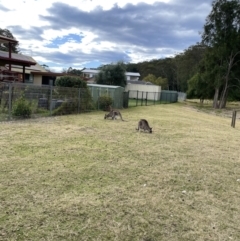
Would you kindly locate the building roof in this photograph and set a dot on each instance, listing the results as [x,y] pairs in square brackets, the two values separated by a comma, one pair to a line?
[139,82]
[91,71]
[17,59]
[104,86]
[47,73]
[39,70]
[96,71]
[132,74]
[36,67]
[4,39]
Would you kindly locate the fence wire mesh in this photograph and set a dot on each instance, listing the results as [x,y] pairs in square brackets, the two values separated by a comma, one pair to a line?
[25,100]
[140,98]
[22,100]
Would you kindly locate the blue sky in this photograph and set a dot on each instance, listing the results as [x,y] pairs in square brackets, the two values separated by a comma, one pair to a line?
[89,33]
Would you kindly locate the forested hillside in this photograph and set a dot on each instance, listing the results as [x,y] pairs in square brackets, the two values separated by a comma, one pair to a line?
[177,70]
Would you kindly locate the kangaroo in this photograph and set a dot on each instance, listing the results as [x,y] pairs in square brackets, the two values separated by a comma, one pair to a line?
[143,124]
[113,113]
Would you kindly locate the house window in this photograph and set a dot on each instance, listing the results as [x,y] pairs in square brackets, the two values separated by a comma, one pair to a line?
[28,78]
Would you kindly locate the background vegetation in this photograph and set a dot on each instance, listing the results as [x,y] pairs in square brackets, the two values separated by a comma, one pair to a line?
[113,74]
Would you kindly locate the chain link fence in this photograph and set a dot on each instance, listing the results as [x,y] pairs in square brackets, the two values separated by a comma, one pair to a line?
[19,100]
[23,100]
[140,98]
[182,96]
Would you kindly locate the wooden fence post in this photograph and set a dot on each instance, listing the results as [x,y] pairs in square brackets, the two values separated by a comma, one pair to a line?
[234,115]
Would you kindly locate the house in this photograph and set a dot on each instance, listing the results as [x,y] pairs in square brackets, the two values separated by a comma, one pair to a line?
[90,74]
[132,76]
[22,68]
[7,59]
[30,74]
[38,75]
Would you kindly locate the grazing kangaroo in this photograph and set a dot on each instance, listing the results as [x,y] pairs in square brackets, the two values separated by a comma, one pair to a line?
[113,113]
[143,124]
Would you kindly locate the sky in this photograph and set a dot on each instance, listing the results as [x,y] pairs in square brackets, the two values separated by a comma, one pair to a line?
[90,33]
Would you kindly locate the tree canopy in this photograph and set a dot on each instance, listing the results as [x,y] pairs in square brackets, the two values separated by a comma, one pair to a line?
[221,35]
[72,71]
[113,74]
[163,82]
[5,46]
[69,81]
[176,70]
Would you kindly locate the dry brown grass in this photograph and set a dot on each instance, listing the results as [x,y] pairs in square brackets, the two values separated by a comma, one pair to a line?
[85,178]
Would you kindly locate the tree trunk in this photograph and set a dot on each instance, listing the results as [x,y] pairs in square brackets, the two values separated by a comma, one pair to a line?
[215,100]
[223,101]
[223,98]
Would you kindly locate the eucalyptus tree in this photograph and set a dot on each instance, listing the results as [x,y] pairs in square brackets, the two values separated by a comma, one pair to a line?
[163,82]
[221,35]
[113,74]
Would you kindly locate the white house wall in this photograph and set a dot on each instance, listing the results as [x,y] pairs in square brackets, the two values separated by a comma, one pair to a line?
[134,78]
[151,92]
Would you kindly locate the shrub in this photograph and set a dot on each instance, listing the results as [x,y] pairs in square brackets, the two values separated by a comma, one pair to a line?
[104,102]
[67,107]
[74,84]
[69,81]
[22,108]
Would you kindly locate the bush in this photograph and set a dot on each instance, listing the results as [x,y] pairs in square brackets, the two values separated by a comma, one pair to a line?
[67,107]
[75,105]
[104,102]
[69,81]
[22,108]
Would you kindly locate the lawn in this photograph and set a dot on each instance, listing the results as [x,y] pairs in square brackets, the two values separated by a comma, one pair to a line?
[81,177]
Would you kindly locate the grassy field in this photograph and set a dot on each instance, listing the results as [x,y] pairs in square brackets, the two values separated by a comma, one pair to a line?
[81,177]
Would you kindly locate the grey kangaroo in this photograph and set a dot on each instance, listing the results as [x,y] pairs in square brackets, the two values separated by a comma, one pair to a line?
[113,113]
[143,124]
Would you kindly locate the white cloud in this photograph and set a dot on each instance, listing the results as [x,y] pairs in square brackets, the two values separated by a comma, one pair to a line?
[133,32]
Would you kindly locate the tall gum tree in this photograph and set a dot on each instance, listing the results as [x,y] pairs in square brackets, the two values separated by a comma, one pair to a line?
[113,74]
[221,35]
